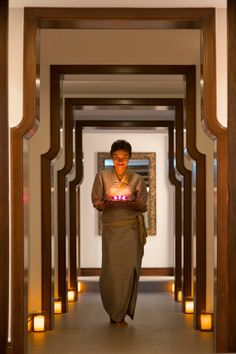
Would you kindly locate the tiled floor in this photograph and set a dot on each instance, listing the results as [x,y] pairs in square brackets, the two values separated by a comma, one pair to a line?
[159,327]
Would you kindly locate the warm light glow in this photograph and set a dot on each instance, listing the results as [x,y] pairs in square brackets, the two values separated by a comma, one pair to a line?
[173,288]
[30,324]
[119,197]
[79,287]
[179,295]
[206,322]
[189,306]
[57,306]
[71,295]
[39,323]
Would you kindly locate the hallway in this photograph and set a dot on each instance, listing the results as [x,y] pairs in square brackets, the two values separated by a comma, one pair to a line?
[159,326]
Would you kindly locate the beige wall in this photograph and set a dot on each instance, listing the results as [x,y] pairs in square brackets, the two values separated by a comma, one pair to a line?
[221,65]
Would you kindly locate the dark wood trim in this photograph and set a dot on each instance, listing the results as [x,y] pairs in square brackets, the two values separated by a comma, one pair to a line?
[71,103]
[178,213]
[26,127]
[9,350]
[4,178]
[107,18]
[231,242]
[74,209]
[90,272]
[92,18]
[78,228]
[187,203]
[200,283]
[178,104]
[61,206]
[77,102]
[47,279]
[212,126]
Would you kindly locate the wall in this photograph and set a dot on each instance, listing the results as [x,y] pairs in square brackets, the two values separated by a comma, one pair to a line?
[159,250]
[15,86]
[221,66]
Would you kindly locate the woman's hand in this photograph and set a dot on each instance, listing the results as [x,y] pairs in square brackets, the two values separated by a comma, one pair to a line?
[138,205]
[103,205]
[100,206]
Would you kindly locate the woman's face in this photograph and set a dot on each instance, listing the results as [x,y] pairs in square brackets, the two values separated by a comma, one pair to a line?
[120,159]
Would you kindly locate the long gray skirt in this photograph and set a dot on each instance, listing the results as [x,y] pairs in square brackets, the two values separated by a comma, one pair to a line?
[122,252]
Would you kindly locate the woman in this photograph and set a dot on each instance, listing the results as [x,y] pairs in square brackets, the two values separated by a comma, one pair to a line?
[121,196]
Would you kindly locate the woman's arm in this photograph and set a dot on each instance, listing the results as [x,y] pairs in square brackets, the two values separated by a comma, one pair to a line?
[97,194]
[140,201]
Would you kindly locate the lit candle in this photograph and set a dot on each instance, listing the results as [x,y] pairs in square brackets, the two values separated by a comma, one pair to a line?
[79,287]
[39,323]
[206,322]
[173,288]
[179,295]
[119,197]
[71,295]
[189,306]
[57,307]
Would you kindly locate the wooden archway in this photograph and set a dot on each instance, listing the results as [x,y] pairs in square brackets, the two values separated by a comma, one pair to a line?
[35,19]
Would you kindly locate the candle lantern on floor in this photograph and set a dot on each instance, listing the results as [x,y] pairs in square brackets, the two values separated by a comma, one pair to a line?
[188,305]
[38,323]
[79,286]
[179,295]
[206,321]
[71,295]
[57,306]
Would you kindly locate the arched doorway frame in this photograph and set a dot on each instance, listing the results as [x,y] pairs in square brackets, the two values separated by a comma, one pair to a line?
[35,19]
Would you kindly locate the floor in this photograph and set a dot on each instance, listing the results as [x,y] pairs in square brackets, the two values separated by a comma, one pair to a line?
[159,326]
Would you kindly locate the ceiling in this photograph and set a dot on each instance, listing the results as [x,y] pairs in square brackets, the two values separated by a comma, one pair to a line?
[118,3]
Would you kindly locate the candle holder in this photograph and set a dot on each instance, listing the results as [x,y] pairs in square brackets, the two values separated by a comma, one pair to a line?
[71,295]
[79,287]
[38,322]
[57,306]
[179,295]
[188,305]
[119,198]
[206,322]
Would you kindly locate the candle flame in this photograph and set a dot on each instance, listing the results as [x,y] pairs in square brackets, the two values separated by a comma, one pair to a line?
[119,197]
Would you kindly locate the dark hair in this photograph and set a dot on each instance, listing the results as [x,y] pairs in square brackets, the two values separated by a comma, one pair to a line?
[121,145]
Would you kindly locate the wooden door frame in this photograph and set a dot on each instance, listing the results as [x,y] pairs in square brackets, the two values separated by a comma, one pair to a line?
[178,106]
[4,178]
[47,158]
[36,18]
[189,72]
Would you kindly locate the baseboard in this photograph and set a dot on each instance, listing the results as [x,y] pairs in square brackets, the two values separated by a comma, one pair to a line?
[89,272]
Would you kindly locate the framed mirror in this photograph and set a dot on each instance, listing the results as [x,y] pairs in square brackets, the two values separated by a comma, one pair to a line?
[143,163]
